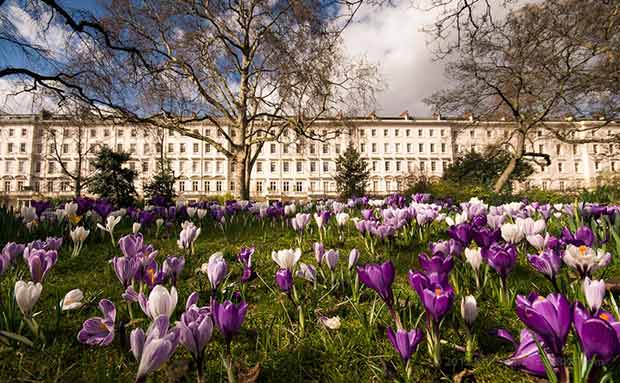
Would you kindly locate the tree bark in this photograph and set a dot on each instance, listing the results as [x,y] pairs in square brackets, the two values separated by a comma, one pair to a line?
[504,178]
[240,176]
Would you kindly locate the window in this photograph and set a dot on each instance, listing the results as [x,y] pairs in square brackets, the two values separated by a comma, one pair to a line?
[397,166]
[182,148]
[419,132]
[132,148]
[299,166]
[325,166]
[442,132]
[10,147]
[574,148]
[577,167]
[407,132]
[420,148]
[207,148]
[312,149]
[433,166]
[560,167]
[558,149]
[388,185]
[285,166]
[106,132]
[170,148]
[11,132]
[443,147]
[218,184]
[194,166]
[24,132]
[312,166]
[259,186]
[431,132]
[337,148]
[285,186]
[273,186]
[386,148]
[374,147]
[298,186]
[397,148]
[396,132]
[373,132]
[20,166]
[595,148]
[50,186]
[22,148]
[374,166]
[120,132]
[37,186]
[145,166]
[273,148]
[37,167]
[422,165]
[7,186]
[119,147]
[259,166]
[284,148]
[325,148]
[207,186]
[218,167]
[196,147]
[134,133]
[362,147]
[20,186]
[387,166]
[272,166]
[432,148]
[195,186]
[385,132]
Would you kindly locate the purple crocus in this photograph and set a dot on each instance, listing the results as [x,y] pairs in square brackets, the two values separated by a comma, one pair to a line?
[405,342]
[172,268]
[547,262]
[11,250]
[245,258]
[582,237]
[437,298]
[331,258]
[40,262]
[131,245]
[300,221]
[284,279]
[599,334]
[154,348]
[53,243]
[437,267]
[548,317]
[125,269]
[379,278]
[196,328]
[501,257]
[99,331]
[526,356]
[485,237]
[319,251]
[152,275]
[228,317]
[450,247]
[461,232]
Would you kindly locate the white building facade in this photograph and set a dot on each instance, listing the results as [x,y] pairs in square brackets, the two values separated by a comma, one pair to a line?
[293,167]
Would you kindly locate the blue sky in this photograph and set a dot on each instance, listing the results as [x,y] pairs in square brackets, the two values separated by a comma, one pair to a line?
[390,37]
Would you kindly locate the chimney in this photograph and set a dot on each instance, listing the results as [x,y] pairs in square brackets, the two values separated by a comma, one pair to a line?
[569,118]
[405,115]
[339,115]
[372,115]
[468,116]
[437,116]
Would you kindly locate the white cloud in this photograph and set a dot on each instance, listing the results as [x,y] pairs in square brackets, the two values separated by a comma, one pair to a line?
[392,37]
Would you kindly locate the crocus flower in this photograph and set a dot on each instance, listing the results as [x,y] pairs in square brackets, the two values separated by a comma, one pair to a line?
[131,245]
[461,232]
[437,298]
[405,342]
[79,234]
[216,269]
[154,348]
[474,258]
[40,262]
[501,257]
[354,256]
[469,309]
[331,258]
[512,233]
[547,262]
[188,236]
[228,317]
[319,251]
[11,250]
[72,300]
[151,274]
[379,278]
[172,268]
[110,224]
[332,323]
[99,331]
[284,279]
[599,334]
[307,272]
[125,268]
[300,221]
[322,218]
[245,258]
[27,295]
[160,302]
[342,219]
[582,237]
[436,267]
[526,356]
[195,327]
[287,258]
[485,237]
[529,226]
[594,291]
[549,317]
[585,260]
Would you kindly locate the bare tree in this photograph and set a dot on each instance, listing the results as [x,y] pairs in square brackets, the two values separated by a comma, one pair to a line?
[543,61]
[253,69]
[70,145]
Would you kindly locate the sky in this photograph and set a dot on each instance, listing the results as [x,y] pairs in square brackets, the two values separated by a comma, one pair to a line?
[389,37]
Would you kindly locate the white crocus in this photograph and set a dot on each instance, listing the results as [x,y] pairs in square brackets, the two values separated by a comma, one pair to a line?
[160,302]
[469,309]
[29,214]
[70,209]
[585,259]
[594,291]
[27,295]
[72,300]
[531,227]
[512,232]
[332,323]
[287,258]
[342,219]
[290,210]
[474,258]
[201,213]
[78,236]
[135,228]
[110,224]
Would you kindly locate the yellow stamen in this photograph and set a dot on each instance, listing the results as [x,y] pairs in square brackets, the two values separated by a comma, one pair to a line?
[437,291]
[604,317]
[582,250]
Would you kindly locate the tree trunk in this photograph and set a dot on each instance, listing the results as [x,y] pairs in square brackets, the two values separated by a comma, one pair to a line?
[77,186]
[240,176]
[512,164]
